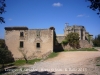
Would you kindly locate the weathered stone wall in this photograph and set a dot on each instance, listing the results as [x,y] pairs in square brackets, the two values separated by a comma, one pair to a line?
[85,44]
[12,39]
[30,40]
[45,39]
[60,38]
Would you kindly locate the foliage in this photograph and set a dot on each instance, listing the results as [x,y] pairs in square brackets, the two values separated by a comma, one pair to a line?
[2,43]
[89,38]
[73,39]
[5,56]
[2,10]
[95,5]
[64,42]
[96,41]
[52,55]
[23,62]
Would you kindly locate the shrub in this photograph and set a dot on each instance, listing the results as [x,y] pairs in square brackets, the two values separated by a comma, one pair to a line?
[64,42]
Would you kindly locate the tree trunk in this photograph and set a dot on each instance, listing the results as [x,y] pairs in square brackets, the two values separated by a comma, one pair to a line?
[25,59]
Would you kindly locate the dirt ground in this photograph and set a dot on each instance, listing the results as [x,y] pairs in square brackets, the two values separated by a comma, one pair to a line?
[71,63]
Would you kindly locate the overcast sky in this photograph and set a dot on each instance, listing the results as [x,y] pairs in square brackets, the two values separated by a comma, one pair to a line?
[46,13]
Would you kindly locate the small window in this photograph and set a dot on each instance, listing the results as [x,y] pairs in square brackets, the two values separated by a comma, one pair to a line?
[21,34]
[21,44]
[38,45]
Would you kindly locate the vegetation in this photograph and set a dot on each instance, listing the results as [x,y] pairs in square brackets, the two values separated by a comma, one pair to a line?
[24,55]
[2,10]
[2,43]
[95,5]
[52,55]
[64,42]
[73,40]
[96,41]
[23,62]
[5,56]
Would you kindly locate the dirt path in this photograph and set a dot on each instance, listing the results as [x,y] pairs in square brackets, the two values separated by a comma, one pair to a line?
[80,62]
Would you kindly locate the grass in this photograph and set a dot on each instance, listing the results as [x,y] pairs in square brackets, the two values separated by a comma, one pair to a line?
[22,62]
[82,49]
[52,55]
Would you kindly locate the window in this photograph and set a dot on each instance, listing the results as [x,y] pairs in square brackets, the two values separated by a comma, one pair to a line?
[21,34]
[21,44]
[38,45]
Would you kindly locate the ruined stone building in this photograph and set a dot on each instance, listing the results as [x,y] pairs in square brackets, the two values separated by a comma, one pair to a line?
[32,42]
[85,37]
[38,43]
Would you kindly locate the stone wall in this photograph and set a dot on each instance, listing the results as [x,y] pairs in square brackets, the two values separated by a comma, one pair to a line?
[44,37]
[60,38]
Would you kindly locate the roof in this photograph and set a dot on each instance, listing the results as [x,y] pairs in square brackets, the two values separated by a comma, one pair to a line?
[16,28]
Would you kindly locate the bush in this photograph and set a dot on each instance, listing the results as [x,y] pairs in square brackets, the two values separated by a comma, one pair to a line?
[73,39]
[5,56]
[64,42]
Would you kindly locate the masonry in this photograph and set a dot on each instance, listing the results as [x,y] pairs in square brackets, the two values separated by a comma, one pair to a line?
[39,43]
[33,42]
[85,37]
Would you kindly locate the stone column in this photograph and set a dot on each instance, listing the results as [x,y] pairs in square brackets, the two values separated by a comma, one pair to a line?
[80,34]
[83,35]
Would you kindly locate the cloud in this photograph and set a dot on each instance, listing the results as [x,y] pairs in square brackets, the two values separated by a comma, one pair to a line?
[57,4]
[83,15]
[10,19]
[80,15]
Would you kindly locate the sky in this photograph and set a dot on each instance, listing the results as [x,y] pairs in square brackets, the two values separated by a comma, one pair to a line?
[46,13]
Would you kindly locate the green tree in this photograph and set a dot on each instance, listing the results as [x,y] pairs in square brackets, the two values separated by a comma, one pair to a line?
[2,10]
[5,56]
[2,43]
[73,39]
[96,41]
[95,5]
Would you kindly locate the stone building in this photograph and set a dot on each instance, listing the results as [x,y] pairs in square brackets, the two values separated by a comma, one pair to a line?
[85,37]
[39,43]
[32,42]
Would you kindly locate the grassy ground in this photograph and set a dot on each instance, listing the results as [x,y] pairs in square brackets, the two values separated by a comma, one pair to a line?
[21,62]
[52,55]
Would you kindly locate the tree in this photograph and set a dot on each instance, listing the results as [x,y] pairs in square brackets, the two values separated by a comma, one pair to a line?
[5,56]
[96,41]
[2,43]
[2,10]
[95,5]
[24,55]
[73,39]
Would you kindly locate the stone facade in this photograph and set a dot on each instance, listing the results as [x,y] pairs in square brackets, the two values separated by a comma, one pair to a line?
[32,42]
[39,43]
